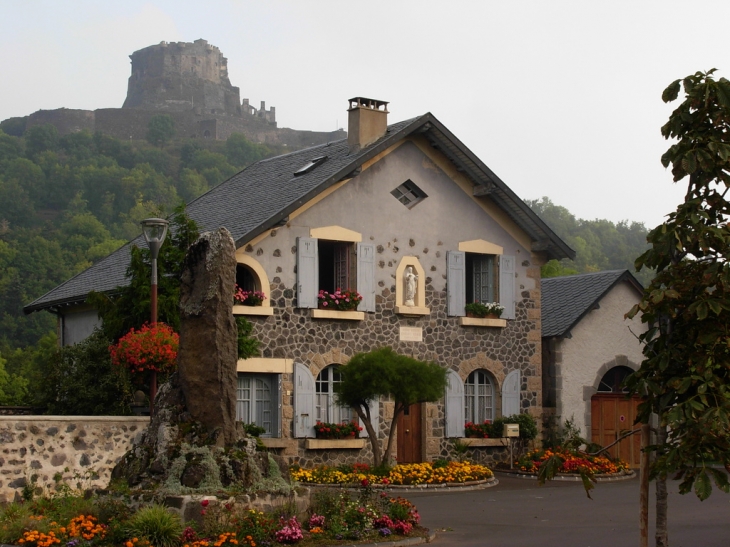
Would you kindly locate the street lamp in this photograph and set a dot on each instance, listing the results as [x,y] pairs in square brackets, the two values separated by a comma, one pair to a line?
[154,230]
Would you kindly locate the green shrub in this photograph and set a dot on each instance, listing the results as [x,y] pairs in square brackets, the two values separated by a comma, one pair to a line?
[528,426]
[253,430]
[14,520]
[157,525]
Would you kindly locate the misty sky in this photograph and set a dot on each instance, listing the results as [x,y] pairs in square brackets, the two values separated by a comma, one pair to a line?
[560,99]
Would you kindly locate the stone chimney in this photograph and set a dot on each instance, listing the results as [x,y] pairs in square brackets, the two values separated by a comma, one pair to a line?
[367,122]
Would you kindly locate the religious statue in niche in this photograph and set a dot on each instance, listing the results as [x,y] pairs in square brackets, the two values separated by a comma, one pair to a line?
[411,285]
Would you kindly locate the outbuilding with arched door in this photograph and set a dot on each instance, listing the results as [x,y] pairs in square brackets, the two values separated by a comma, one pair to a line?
[588,348]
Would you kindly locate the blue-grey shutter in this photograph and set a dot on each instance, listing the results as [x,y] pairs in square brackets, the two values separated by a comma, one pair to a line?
[277,409]
[454,405]
[366,276]
[304,411]
[507,285]
[307,272]
[374,418]
[511,394]
[456,282]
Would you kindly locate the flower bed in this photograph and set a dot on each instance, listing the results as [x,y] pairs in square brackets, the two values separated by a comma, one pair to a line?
[573,462]
[333,518]
[404,474]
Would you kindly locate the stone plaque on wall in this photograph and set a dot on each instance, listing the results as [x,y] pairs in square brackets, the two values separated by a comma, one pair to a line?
[411,334]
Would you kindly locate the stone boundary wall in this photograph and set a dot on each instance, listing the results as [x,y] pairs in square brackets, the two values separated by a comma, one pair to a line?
[74,446]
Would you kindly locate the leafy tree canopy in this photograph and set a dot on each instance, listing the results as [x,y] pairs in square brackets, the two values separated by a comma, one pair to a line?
[598,244]
[382,372]
[160,130]
[685,375]
[129,306]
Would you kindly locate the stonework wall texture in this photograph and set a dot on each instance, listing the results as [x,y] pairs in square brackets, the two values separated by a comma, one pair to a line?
[72,446]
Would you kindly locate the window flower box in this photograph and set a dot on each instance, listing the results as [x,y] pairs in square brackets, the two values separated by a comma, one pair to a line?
[499,441]
[340,300]
[248,298]
[334,444]
[334,314]
[482,322]
[489,310]
[345,430]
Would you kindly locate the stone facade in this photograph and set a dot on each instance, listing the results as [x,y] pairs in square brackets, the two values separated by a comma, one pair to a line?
[70,446]
[365,207]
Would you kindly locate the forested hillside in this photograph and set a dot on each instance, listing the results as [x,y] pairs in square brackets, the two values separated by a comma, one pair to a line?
[68,201]
[598,244]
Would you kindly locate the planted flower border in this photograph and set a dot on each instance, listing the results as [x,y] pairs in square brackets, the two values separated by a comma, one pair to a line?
[414,474]
[573,463]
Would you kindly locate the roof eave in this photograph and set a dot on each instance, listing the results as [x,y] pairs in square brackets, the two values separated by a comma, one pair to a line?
[554,246]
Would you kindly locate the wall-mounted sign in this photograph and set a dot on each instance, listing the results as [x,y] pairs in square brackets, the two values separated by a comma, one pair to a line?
[411,334]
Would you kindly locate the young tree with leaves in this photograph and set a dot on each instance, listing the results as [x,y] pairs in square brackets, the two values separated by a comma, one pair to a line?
[382,372]
[685,376]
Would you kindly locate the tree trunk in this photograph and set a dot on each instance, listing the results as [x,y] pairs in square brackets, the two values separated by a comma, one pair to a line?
[644,488]
[372,434]
[393,426]
[661,537]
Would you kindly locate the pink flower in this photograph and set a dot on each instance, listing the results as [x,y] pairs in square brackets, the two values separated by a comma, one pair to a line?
[204,503]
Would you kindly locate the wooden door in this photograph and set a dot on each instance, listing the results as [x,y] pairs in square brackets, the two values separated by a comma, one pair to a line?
[409,435]
[612,415]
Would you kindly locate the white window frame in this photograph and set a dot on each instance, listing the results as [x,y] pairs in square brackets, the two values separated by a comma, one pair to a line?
[326,408]
[479,395]
[250,408]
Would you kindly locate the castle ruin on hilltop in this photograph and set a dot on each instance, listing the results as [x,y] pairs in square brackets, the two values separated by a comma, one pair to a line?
[189,82]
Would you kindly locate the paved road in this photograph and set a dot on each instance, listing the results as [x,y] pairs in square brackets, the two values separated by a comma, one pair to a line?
[519,513]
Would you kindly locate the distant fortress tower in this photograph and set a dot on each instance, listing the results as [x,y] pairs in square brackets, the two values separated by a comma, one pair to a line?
[189,82]
[182,76]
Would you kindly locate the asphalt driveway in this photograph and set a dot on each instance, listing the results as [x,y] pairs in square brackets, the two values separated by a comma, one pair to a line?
[519,513]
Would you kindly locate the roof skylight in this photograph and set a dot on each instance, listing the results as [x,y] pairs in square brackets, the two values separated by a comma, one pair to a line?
[314,162]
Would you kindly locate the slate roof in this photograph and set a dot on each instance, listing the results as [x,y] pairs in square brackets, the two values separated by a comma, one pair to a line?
[565,300]
[265,193]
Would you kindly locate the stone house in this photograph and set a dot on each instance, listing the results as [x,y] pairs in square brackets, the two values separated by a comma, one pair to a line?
[365,213]
[588,348]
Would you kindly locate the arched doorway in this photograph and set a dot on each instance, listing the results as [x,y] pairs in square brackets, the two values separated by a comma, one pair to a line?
[613,414]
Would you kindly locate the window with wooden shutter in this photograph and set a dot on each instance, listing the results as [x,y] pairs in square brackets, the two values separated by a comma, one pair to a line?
[454,399]
[307,272]
[366,276]
[511,394]
[477,277]
[455,282]
[304,407]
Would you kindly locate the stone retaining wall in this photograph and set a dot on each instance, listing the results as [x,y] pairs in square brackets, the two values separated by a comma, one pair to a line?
[71,448]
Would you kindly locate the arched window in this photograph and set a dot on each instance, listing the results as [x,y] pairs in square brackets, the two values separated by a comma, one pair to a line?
[254,402]
[245,278]
[612,381]
[478,397]
[327,409]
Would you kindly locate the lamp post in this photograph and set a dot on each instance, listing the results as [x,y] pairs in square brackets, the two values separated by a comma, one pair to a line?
[154,230]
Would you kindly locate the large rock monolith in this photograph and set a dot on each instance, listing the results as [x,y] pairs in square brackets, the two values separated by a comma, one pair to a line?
[208,336]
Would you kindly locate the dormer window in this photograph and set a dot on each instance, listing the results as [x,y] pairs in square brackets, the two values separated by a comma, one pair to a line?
[314,162]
